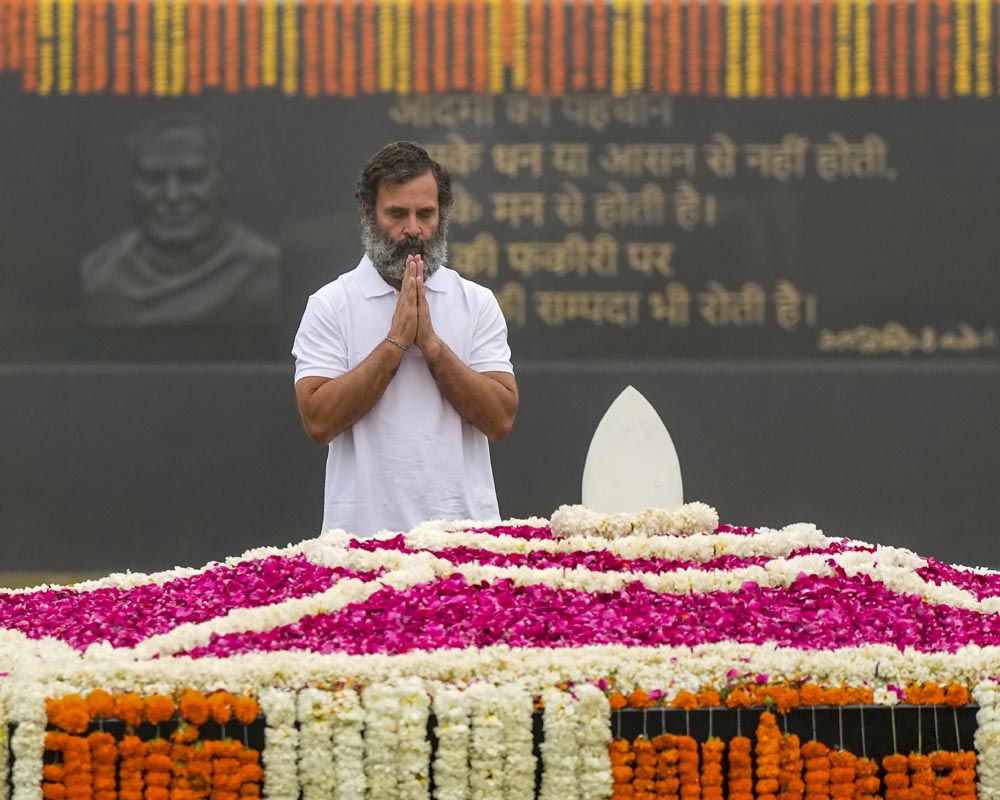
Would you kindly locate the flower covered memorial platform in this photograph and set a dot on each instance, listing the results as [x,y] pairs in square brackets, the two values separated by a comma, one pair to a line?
[649,655]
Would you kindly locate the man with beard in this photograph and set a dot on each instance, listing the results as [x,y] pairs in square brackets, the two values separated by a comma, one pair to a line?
[402,366]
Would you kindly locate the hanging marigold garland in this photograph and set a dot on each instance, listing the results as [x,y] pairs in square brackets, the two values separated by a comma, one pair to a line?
[922,46]
[140,47]
[480,36]
[370,53]
[694,61]
[619,45]
[507,31]
[65,38]
[826,44]
[579,23]
[637,45]
[963,48]
[675,47]
[328,23]
[231,56]
[713,48]
[100,58]
[14,32]
[421,34]
[739,781]
[984,34]
[178,45]
[290,47]
[536,48]
[252,43]
[599,51]
[734,52]
[882,48]
[768,756]
[213,34]
[752,44]
[84,46]
[943,36]
[440,52]
[348,72]
[769,15]
[404,47]
[862,48]
[901,58]
[557,47]
[5,13]
[385,12]
[460,44]
[806,48]
[122,47]
[519,67]
[195,31]
[161,47]
[269,43]
[655,65]
[310,48]
[843,49]
[789,42]
[816,762]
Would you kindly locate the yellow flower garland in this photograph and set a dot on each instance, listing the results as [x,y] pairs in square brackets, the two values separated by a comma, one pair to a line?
[386,44]
[178,12]
[46,52]
[963,47]
[404,77]
[637,50]
[734,49]
[269,43]
[619,41]
[290,49]
[984,34]
[843,79]
[753,48]
[66,15]
[519,69]
[496,46]
[862,49]
[161,47]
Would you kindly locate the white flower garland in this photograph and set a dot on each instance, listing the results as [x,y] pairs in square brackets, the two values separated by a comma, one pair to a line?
[281,745]
[687,520]
[4,745]
[413,714]
[517,711]
[348,745]
[452,730]
[560,754]
[317,764]
[382,741]
[593,738]
[27,712]
[487,751]
[987,739]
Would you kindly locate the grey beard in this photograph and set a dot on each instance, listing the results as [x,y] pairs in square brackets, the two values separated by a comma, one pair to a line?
[389,257]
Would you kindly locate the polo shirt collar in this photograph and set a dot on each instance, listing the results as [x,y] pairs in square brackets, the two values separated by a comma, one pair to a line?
[374,285]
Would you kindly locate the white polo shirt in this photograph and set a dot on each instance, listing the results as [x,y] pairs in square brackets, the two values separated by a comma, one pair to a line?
[412,457]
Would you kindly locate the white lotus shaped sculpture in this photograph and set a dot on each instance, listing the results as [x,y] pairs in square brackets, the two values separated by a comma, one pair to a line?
[632,463]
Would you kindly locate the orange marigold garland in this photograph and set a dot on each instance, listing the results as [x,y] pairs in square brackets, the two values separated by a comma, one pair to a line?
[922,47]
[842,775]
[711,769]
[404,48]
[421,45]
[694,65]
[104,756]
[252,43]
[213,32]
[770,48]
[944,31]
[806,48]
[739,783]
[370,52]
[655,46]
[882,48]
[231,68]
[645,767]
[161,47]
[579,23]
[667,784]
[922,777]
[622,757]
[5,13]
[816,758]
[460,44]
[768,761]
[790,769]
[867,781]
[14,49]
[901,55]
[713,48]
[29,78]
[536,48]
[897,779]
[84,46]
[688,768]
[348,50]
[789,40]
[440,50]
[675,52]
[599,51]
[826,35]
[480,47]
[78,765]
[557,46]
[310,48]
[131,768]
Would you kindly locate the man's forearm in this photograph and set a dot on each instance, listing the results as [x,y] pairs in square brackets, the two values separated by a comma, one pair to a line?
[329,407]
[483,400]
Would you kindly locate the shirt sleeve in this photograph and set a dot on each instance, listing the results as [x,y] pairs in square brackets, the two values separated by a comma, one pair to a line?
[319,349]
[490,350]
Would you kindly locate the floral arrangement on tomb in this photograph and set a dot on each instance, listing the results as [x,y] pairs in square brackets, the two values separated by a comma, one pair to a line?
[474,660]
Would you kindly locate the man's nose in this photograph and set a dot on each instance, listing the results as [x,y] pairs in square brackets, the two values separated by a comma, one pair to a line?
[172,186]
[412,226]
